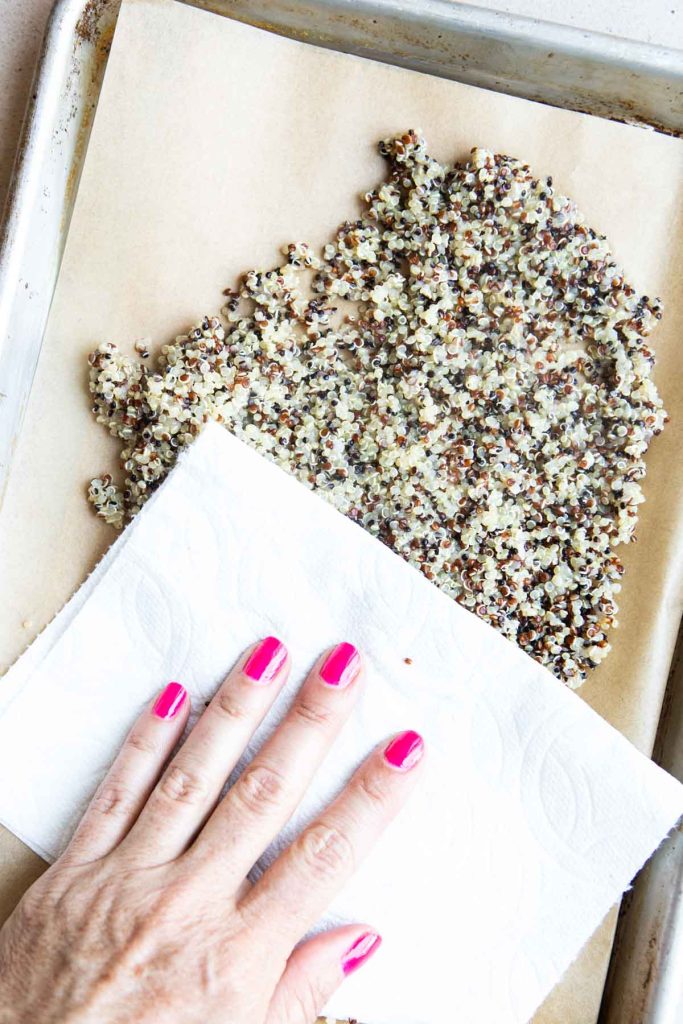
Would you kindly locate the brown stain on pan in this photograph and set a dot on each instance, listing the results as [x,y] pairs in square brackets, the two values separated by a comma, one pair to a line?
[95,30]
[88,25]
[622,111]
[650,966]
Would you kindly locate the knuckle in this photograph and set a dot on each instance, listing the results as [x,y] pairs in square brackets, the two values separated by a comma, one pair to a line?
[372,791]
[226,706]
[260,787]
[327,851]
[113,800]
[39,902]
[312,712]
[307,1002]
[182,786]
[144,744]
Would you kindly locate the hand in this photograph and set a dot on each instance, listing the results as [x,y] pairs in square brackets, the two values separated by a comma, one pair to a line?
[147,916]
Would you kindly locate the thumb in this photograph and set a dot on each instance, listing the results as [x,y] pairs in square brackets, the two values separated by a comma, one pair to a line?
[316,969]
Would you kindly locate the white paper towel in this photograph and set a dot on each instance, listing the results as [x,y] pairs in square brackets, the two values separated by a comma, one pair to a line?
[534,814]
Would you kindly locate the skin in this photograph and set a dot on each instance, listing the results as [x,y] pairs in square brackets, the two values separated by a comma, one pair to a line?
[147,916]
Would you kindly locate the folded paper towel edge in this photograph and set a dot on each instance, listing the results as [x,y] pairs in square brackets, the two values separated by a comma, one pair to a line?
[17,674]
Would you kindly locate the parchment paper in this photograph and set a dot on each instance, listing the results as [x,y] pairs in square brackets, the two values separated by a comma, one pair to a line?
[214,144]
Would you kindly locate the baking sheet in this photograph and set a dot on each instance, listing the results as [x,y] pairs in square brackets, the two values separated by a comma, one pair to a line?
[215,144]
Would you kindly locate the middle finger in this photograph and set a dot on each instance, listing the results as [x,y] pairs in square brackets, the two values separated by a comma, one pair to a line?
[269,789]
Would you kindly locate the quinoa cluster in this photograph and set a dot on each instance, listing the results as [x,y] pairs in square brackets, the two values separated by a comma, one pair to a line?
[484,408]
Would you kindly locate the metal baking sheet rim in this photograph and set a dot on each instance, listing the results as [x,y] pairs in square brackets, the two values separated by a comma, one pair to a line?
[602,75]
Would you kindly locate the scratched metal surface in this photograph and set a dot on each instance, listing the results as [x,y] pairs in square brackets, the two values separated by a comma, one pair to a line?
[566,67]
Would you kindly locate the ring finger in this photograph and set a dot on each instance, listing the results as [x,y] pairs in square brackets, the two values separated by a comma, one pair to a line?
[192,783]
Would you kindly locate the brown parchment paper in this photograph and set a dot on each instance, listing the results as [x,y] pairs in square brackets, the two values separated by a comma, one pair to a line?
[214,144]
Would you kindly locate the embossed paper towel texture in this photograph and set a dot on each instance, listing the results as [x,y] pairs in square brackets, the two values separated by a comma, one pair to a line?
[534,814]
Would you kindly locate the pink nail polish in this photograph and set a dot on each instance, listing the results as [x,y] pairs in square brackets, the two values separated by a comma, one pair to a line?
[405,750]
[170,701]
[341,666]
[266,661]
[360,951]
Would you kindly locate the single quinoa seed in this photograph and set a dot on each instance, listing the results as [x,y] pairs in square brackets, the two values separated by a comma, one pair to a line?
[484,407]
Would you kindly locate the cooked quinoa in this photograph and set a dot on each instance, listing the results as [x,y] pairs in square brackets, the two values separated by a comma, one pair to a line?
[484,409]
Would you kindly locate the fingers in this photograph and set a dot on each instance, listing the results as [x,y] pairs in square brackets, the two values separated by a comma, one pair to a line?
[299,885]
[123,792]
[269,789]
[192,783]
[316,968]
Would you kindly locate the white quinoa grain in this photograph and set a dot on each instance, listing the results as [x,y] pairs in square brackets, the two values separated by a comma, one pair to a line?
[484,408]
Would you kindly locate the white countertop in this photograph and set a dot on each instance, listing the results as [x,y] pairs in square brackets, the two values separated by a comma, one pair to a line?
[22,23]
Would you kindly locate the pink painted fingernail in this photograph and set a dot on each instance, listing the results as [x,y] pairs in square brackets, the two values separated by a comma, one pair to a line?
[360,951]
[170,701]
[405,750]
[341,666]
[266,661]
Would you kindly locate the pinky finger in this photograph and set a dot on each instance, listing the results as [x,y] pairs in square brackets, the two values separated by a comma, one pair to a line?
[124,790]
[316,969]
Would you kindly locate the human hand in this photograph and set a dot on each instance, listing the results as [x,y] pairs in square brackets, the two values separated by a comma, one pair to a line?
[148,917]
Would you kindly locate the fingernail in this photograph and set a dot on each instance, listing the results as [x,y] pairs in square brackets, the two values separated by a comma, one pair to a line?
[341,666]
[360,951]
[170,701]
[405,750]
[266,661]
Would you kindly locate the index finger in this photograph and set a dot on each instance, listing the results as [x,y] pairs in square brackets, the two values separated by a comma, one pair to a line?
[299,886]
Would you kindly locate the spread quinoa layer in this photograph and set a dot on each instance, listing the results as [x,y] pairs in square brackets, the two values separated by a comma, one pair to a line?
[483,406]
